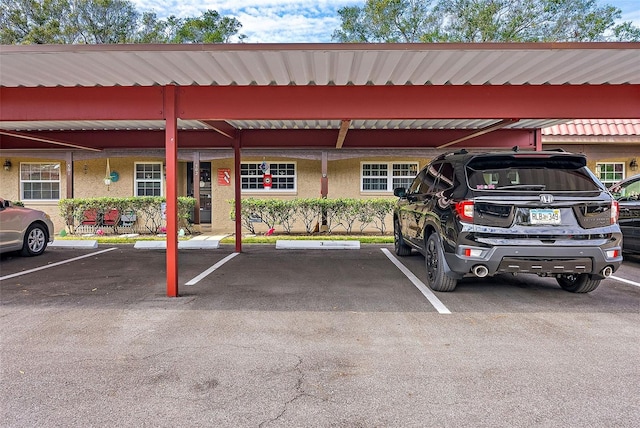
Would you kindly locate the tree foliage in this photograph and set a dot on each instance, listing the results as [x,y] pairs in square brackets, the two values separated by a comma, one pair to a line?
[483,21]
[106,21]
[208,28]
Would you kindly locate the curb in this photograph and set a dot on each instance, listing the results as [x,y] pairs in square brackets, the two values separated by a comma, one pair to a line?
[316,245]
[75,244]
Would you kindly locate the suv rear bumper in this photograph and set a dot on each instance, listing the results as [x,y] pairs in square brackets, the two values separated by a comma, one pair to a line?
[539,260]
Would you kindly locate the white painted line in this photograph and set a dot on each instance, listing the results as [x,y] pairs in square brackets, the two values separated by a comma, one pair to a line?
[13,275]
[626,281]
[426,291]
[198,278]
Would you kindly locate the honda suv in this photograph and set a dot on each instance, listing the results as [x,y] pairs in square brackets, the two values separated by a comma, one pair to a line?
[515,212]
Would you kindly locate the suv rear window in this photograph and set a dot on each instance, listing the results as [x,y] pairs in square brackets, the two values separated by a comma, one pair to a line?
[561,174]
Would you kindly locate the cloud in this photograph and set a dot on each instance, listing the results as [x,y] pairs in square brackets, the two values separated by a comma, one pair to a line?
[295,21]
[264,21]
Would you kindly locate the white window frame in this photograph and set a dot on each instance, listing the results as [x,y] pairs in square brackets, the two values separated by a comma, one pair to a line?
[389,176]
[23,181]
[615,178]
[137,181]
[274,177]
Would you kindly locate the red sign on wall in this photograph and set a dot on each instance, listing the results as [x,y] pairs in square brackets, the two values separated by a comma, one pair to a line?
[224,177]
[266,181]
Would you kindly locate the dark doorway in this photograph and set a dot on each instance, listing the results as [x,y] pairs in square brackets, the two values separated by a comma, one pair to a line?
[201,190]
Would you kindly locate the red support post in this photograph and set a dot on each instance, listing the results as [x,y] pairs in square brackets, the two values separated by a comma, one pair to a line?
[171,153]
[238,192]
[537,135]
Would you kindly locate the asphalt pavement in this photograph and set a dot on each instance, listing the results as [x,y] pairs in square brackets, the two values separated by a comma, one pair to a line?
[319,338]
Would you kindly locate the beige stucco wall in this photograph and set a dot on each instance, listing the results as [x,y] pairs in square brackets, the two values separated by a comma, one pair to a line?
[611,153]
[344,182]
[10,187]
[343,175]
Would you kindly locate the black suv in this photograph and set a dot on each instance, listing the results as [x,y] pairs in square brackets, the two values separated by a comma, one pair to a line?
[510,212]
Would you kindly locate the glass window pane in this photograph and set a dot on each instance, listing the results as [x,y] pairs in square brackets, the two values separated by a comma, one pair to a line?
[40,181]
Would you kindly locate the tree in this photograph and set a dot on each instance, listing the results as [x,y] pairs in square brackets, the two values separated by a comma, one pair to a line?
[33,21]
[483,21]
[106,21]
[208,28]
[387,21]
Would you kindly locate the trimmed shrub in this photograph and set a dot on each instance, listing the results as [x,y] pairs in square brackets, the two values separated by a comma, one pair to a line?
[339,213]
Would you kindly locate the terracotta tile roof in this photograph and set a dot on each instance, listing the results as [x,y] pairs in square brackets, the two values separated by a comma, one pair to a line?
[593,127]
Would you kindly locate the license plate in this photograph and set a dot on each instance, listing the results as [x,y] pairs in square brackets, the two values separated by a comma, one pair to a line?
[544,216]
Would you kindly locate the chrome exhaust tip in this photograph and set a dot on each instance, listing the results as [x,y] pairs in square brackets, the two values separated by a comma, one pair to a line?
[480,271]
[607,271]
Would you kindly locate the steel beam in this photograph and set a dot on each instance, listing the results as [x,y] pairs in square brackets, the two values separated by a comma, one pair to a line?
[171,153]
[324,102]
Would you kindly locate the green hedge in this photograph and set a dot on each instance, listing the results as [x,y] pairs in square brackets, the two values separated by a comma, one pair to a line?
[343,213]
[146,208]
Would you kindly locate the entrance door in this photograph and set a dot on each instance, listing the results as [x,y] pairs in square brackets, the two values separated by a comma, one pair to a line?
[205,192]
[201,190]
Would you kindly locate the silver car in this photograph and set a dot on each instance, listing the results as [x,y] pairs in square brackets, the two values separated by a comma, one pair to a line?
[24,229]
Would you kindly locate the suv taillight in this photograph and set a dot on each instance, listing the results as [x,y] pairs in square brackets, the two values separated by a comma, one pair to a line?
[615,211]
[465,210]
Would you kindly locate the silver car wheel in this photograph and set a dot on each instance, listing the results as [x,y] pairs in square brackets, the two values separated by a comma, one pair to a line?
[36,240]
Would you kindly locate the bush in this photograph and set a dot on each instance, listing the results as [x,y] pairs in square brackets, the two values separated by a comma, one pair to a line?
[146,208]
[339,213]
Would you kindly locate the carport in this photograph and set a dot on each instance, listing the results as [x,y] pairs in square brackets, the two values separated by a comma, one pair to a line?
[325,96]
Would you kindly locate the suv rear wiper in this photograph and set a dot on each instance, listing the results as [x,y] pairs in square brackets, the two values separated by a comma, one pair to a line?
[523,186]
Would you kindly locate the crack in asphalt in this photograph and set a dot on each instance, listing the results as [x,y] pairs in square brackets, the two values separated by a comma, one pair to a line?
[299,393]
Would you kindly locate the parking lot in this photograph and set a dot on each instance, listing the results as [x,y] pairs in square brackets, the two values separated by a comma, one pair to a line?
[326,338]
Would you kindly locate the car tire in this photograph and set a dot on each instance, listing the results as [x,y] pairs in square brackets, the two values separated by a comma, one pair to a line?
[438,276]
[400,247]
[35,240]
[578,283]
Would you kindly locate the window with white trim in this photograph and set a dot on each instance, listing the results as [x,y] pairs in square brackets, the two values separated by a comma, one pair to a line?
[39,181]
[610,172]
[148,179]
[386,176]
[283,176]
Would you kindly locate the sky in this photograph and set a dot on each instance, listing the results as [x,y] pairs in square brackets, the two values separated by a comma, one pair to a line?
[295,21]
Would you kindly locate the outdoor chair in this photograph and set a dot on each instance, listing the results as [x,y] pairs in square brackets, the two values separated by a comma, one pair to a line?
[90,220]
[111,219]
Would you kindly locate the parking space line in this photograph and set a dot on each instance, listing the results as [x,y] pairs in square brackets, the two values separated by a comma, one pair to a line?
[426,292]
[626,281]
[13,275]
[198,278]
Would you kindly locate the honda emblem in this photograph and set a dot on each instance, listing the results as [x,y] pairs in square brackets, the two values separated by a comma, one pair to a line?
[546,199]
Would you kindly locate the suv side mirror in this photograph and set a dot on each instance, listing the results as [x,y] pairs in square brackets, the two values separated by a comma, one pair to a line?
[400,192]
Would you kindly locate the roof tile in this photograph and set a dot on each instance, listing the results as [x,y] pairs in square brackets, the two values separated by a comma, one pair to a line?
[580,127]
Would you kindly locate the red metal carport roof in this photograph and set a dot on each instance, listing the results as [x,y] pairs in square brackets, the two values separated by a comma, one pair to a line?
[265,95]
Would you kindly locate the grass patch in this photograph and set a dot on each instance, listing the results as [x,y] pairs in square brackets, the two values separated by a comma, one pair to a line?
[364,239]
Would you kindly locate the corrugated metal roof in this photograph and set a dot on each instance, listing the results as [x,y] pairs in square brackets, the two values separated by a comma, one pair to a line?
[269,124]
[595,127]
[324,64]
